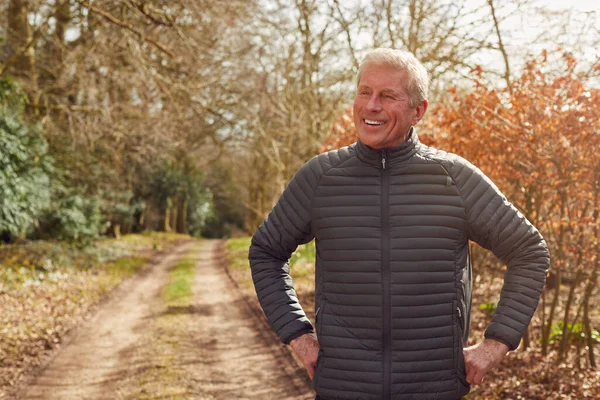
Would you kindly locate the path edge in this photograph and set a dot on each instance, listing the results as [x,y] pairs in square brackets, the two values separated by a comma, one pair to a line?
[293,367]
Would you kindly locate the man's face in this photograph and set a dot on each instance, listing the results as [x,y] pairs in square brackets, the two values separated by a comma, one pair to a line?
[382,114]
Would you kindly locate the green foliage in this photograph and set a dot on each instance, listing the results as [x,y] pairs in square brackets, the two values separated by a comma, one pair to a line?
[11,97]
[120,208]
[174,183]
[44,262]
[74,218]
[304,253]
[200,209]
[226,214]
[489,308]
[576,333]
[25,169]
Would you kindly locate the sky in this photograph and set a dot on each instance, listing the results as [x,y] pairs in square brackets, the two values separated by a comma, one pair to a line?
[521,30]
[583,5]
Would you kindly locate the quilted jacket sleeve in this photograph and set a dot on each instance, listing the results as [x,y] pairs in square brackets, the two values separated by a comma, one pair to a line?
[495,224]
[287,226]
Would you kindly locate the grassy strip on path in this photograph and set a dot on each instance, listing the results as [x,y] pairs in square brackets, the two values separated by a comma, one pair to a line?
[165,376]
[179,289]
[46,288]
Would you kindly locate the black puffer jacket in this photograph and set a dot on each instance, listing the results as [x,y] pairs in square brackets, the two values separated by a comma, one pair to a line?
[393,276]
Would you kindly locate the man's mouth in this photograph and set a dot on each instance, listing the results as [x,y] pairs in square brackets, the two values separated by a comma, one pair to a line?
[373,122]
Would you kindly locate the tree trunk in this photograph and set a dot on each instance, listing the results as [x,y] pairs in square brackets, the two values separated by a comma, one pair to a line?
[63,16]
[167,226]
[560,256]
[526,340]
[501,45]
[593,281]
[174,212]
[117,231]
[586,317]
[20,40]
[142,218]
[548,323]
[566,332]
[182,224]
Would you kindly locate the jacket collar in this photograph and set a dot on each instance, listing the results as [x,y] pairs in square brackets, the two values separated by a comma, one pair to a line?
[393,155]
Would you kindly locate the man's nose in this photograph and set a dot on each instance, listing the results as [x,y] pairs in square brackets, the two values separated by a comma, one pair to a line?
[374,104]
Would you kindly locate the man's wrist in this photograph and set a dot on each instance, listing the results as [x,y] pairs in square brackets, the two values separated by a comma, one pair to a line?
[496,345]
[301,336]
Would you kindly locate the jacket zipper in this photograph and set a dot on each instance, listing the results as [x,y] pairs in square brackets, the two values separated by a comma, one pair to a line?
[385,257]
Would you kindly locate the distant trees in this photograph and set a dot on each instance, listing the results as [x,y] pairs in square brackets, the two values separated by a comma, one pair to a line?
[122,88]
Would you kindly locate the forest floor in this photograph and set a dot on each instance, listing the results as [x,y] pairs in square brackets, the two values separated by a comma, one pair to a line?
[179,329]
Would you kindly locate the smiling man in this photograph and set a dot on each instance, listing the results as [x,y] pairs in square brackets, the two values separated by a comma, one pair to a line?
[384,110]
[392,219]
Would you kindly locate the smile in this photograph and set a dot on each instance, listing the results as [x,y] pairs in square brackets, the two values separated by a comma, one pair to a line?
[373,122]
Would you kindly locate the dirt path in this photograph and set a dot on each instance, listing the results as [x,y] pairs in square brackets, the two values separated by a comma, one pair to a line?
[211,350]
[238,360]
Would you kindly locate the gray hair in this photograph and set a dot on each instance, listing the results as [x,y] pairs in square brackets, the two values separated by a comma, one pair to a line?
[403,61]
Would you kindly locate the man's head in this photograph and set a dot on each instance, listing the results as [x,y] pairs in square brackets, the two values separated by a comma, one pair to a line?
[391,96]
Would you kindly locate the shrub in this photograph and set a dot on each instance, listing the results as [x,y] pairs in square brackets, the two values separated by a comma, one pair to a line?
[74,218]
[25,169]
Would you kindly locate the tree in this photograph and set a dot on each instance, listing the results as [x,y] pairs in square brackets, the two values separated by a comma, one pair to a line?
[543,130]
[25,170]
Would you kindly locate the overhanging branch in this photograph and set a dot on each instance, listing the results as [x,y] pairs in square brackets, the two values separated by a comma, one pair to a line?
[127,26]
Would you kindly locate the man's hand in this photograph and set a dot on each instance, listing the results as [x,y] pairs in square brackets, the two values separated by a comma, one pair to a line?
[306,348]
[482,357]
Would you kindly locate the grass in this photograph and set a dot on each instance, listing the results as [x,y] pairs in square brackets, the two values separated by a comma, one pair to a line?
[179,288]
[237,252]
[124,267]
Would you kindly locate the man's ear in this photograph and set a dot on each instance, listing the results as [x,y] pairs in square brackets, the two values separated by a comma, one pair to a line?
[421,108]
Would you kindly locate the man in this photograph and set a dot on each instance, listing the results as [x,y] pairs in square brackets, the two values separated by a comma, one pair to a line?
[392,219]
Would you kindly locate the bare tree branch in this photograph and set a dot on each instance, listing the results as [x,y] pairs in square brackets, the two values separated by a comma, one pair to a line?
[127,26]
